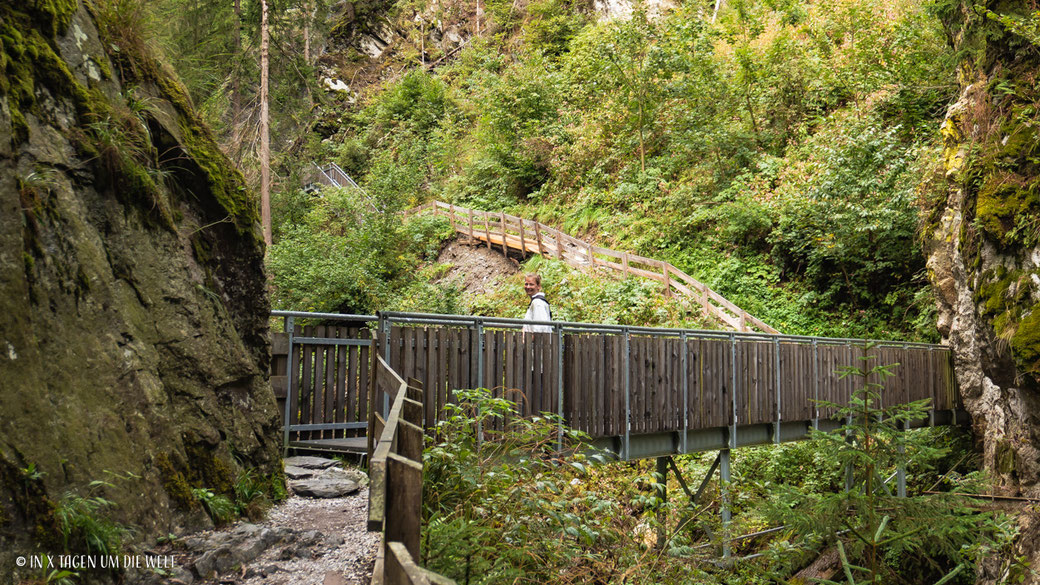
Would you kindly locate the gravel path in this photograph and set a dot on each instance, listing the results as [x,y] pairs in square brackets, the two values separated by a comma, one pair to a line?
[331,545]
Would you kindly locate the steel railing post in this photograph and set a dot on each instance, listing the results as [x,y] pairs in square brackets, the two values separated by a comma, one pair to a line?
[289,324]
[685,394]
[480,377]
[384,330]
[628,389]
[559,383]
[733,387]
[776,346]
[816,385]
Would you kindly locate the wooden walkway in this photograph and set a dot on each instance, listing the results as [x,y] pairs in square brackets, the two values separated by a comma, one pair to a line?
[639,391]
[509,232]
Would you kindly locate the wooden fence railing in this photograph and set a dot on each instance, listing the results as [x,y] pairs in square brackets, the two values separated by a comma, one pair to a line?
[326,397]
[612,381]
[396,474]
[530,237]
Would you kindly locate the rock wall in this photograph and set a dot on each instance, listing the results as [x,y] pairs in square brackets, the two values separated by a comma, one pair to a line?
[133,305]
[983,245]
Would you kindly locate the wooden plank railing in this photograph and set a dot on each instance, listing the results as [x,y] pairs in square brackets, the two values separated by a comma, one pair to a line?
[610,381]
[395,472]
[530,237]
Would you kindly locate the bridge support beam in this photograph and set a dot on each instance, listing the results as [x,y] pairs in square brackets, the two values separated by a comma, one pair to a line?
[661,481]
[724,500]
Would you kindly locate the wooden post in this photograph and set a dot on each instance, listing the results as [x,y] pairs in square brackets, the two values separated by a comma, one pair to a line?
[487,230]
[667,280]
[538,238]
[471,234]
[559,246]
[523,241]
[704,299]
[624,262]
[451,214]
[505,248]
[592,259]
[743,320]
[404,498]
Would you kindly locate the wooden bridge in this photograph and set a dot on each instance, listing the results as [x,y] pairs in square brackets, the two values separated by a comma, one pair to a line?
[638,392]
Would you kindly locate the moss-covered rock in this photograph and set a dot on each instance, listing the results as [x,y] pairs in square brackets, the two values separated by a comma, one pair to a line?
[133,307]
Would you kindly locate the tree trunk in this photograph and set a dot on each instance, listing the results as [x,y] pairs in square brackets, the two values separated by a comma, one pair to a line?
[236,89]
[265,134]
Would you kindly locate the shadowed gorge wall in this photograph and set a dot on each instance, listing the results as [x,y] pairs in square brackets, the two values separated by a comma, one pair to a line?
[133,304]
[984,247]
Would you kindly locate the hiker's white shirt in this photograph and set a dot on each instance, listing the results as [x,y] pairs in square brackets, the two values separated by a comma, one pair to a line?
[538,310]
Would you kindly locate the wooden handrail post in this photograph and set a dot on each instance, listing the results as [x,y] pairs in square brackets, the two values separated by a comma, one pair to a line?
[704,300]
[523,240]
[667,281]
[743,321]
[451,214]
[592,259]
[624,262]
[471,234]
[559,246]
[487,230]
[538,238]
[505,248]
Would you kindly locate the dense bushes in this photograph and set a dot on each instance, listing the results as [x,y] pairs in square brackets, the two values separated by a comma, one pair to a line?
[774,154]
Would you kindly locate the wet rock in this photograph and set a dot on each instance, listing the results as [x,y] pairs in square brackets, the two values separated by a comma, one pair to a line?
[310,462]
[324,488]
[294,472]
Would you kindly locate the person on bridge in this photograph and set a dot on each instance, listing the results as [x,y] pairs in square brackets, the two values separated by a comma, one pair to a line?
[539,309]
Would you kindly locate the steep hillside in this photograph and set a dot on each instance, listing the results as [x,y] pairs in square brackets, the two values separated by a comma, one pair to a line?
[133,326]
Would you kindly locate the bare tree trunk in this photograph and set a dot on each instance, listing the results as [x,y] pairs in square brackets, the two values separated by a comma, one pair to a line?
[265,134]
[718,5]
[236,89]
[307,33]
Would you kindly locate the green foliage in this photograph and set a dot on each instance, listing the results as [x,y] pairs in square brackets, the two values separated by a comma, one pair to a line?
[879,536]
[83,525]
[219,507]
[853,229]
[577,296]
[501,504]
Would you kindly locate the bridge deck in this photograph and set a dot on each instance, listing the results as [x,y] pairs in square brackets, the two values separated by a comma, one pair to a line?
[637,391]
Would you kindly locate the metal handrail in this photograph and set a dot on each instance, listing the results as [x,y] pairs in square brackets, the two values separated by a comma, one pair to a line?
[576,327]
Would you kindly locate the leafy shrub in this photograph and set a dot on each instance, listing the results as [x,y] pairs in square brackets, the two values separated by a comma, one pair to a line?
[84,526]
[219,507]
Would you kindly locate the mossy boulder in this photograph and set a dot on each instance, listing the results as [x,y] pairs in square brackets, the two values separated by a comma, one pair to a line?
[133,305]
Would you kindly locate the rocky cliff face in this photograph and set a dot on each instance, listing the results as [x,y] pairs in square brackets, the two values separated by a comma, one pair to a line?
[133,307]
[983,241]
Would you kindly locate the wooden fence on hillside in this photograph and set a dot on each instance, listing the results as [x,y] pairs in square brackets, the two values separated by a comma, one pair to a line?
[530,237]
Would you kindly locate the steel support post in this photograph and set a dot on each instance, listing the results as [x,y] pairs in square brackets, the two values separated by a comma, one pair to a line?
[661,479]
[901,469]
[724,504]
[850,472]
[291,374]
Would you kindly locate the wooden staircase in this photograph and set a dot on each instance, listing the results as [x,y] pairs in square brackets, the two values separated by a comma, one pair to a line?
[527,236]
